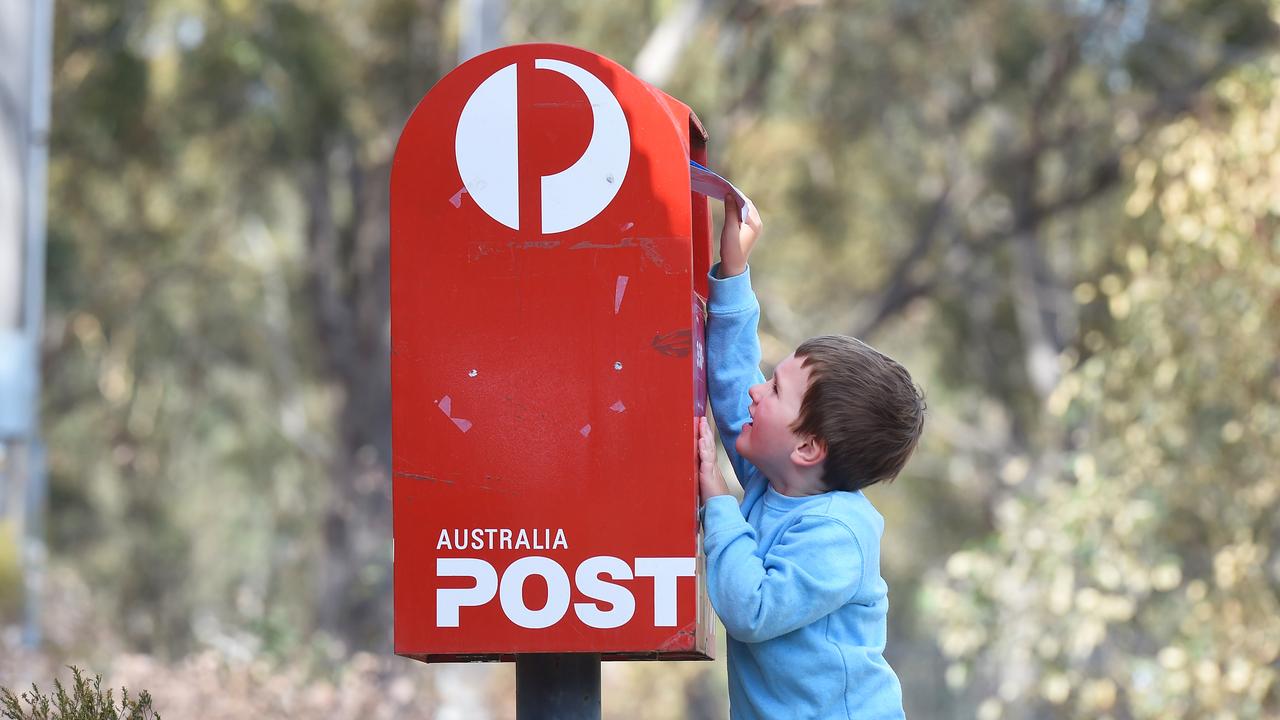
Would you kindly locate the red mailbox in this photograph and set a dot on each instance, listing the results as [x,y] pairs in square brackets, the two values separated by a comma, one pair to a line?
[548,270]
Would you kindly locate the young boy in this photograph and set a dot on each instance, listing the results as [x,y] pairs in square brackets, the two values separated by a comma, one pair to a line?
[794,572]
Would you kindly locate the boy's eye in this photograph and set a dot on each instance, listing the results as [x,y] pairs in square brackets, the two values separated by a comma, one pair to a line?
[775,386]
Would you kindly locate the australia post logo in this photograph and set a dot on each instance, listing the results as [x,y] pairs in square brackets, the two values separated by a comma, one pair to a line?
[604,582]
[486,148]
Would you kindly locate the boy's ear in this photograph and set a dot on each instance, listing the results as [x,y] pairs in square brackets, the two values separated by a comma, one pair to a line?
[811,451]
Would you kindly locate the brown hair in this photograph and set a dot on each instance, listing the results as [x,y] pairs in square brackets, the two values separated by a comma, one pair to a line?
[864,406]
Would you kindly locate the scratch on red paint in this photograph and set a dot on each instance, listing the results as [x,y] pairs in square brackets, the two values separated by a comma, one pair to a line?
[416,476]
[682,640]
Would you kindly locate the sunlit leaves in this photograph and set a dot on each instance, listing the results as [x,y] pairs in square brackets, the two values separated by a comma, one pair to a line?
[1150,554]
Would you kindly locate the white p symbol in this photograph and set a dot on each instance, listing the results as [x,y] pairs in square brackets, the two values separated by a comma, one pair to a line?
[487,154]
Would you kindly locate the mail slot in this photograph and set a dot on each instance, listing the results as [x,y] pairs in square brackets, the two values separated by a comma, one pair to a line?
[548,277]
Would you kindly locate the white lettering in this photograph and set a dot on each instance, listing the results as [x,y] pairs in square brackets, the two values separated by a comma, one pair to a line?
[448,600]
[664,572]
[512,592]
[589,583]
[502,539]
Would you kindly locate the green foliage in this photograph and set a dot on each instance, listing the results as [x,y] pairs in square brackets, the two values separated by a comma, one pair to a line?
[975,185]
[1133,573]
[86,701]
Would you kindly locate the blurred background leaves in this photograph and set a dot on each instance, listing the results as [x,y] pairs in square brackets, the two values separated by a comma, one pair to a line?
[1061,215]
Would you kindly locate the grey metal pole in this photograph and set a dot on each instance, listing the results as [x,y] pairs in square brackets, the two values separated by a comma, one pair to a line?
[33,543]
[481,27]
[37,170]
[558,686]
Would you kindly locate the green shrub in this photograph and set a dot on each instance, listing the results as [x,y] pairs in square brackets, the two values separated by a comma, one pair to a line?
[87,701]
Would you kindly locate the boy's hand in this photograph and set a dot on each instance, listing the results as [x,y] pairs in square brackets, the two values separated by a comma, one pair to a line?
[710,482]
[737,238]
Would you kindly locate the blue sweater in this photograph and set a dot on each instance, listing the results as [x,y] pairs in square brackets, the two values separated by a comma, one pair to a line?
[795,580]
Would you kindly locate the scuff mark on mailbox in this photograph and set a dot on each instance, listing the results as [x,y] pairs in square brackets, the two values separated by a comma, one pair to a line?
[677,343]
[683,639]
[647,245]
[416,476]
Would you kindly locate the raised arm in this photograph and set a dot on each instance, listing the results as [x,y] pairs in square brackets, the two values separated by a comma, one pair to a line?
[733,345]
[737,238]
[733,362]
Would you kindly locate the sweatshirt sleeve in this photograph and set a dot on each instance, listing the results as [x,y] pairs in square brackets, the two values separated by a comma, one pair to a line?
[815,567]
[733,361]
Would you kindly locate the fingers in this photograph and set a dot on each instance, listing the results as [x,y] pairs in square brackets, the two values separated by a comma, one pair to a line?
[731,208]
[706,444]
[710,482]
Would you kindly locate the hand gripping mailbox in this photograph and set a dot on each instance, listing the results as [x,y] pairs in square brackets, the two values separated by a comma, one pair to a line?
[548,264]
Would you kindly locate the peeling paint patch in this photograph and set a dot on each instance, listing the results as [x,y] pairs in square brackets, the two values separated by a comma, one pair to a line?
[456,200]
[463,425]
[651,252]
[618,407]
[475,372]
[620,288]
[586,430]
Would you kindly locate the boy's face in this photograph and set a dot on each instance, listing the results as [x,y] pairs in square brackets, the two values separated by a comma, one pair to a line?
[768,440]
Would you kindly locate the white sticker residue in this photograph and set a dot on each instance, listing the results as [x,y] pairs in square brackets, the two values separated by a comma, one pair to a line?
[446,406]
[618,291]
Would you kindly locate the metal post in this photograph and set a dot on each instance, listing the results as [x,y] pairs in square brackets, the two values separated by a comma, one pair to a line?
[26,41]
[563,686]
[481,27]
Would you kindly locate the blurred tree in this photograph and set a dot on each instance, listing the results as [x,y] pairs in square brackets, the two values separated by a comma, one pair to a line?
[239,152]
[946,177]
[1140,579]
